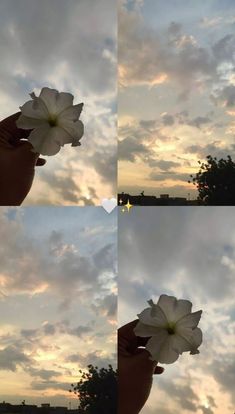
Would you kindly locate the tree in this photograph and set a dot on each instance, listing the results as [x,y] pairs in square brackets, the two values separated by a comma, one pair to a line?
[215,181]
[97,391]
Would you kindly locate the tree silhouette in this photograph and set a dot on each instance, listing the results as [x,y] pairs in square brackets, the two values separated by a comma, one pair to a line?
[215,181]
[97,391]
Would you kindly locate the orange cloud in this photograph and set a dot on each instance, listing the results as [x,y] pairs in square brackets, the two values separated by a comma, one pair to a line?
[127,78]
[231,112]
[159,79]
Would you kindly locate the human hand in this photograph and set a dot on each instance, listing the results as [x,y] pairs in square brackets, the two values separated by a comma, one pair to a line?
[135,371]
[17,162]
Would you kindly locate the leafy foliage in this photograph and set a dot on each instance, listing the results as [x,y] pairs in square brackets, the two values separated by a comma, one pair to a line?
[215,181]
[97,391]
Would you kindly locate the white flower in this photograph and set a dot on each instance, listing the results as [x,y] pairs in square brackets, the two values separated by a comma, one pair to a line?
[54,120]
[172,328]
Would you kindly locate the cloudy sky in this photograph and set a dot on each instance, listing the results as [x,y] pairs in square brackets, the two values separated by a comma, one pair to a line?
[177,91]
[190,254]
[69,46]
[57,299]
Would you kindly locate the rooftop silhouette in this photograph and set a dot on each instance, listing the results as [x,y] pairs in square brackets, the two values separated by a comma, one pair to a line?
[7,408]
[150,200]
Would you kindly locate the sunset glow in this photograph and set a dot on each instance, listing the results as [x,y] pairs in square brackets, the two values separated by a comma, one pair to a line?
[176,80]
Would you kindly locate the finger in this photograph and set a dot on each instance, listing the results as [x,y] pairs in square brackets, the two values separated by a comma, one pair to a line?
[40,162]
[123,347]
[126,338]
[158,370]
[9,131]
[142,359]
[126,333]
[25,151]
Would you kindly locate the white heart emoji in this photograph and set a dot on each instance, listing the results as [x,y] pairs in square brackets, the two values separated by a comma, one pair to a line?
[109,204]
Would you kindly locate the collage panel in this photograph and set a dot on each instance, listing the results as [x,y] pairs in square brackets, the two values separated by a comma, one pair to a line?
[55,56]
[176,102]
[174,256]
[58,300]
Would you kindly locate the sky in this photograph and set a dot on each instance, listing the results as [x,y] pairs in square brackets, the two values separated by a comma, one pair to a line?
[57,300]
[188,253]
[176,101]
[69,46]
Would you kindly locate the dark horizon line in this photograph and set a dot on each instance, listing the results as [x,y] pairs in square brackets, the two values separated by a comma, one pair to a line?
[39,405]
[156,196]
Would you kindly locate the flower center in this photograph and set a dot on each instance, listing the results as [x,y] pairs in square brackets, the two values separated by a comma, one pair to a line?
[52,122]
[171,328]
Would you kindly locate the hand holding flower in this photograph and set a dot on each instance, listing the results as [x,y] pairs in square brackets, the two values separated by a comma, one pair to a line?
[17,163]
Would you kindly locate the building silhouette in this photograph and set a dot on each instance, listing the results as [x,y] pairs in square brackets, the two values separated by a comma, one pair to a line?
[149,200]
[7,408]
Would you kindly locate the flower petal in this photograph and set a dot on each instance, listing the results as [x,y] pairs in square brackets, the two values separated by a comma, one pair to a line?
[174,309]
[47,140]
[35,109]
[162,348]
[189,321]
[145,330]
[155,344]
[180,344]
[193,337]
[196,341]
[168,354]
[25,122]
[74,129]
[56,102]
[71,114]
[159,320]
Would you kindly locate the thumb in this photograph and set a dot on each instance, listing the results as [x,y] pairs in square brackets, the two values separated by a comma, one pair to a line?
[158,370]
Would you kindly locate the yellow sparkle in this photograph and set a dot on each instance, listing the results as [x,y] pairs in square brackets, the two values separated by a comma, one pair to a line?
[123,210]
[128,206]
